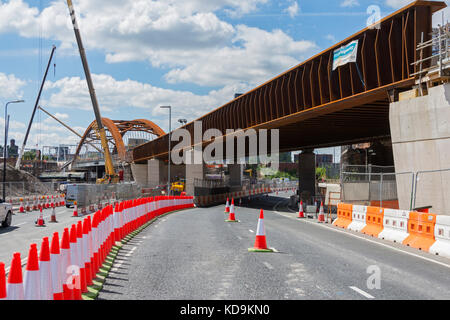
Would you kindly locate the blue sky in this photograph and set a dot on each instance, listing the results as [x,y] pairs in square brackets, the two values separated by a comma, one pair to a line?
[191,54]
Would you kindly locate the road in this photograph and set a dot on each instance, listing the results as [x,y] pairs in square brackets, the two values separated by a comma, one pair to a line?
[196,255]
[23,232]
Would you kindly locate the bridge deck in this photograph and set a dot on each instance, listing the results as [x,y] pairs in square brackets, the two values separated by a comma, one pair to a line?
[314,106]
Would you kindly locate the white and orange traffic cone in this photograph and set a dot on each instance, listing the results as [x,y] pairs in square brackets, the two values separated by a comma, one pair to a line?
[75,209]
[65,264]
[75,258]
[260,241]
[14,288]
[227,206]
[27,206]
[2,282]
[301,214]
[32,279]
[231,217]
[45,271]
[82,255]
[55,268]
[53,216]
[21,207]
[321,217]
[40,221]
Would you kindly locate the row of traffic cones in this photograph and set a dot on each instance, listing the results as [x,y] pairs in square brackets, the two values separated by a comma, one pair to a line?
[50,203]
[65,269]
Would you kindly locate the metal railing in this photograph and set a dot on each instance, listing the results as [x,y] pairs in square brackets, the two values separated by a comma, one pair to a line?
[425,181]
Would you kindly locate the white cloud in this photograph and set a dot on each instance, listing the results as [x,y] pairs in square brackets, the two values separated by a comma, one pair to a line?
[117,96]
[11,87]
[396,4]
[293,9]
[349,3]
[262,55]
[184,37]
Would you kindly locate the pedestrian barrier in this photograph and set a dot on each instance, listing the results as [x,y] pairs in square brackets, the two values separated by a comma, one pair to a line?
[442,235]
[395,225]
[67,270]
[344,215]
[358,218]
[421,230]
[374,221]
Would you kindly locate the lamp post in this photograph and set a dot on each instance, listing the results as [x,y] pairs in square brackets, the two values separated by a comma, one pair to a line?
[170,129]
[5,145]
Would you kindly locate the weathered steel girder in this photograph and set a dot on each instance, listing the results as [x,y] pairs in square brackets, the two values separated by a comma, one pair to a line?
[314,106]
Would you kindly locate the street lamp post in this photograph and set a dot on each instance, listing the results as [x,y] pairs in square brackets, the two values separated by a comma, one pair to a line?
[5,145]
[170,129]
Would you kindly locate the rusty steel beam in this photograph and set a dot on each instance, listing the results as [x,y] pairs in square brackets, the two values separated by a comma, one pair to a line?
[312,89]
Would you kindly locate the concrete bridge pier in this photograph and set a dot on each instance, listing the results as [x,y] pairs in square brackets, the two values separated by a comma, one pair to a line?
[307,176]
[420,130]
[236,174]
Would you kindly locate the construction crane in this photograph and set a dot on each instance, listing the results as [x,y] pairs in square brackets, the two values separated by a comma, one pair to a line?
[110,174]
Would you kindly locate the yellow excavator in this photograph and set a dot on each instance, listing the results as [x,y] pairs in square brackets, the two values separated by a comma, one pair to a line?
[110,174]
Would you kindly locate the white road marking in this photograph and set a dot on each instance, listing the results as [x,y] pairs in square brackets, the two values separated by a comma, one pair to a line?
[362,238]
[251,230]
[268,265]
[363,293]
[240,238]
[19,224]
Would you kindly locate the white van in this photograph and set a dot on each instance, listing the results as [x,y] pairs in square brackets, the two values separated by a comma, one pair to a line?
[5,214]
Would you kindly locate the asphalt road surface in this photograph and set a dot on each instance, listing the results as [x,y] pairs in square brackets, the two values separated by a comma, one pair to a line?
[196,255]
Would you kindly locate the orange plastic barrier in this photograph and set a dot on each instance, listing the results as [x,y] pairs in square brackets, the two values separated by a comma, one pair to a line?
[421,230]
[374,221]
[344,214]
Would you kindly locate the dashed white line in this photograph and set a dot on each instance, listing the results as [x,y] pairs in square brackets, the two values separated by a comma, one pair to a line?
[268,265]
[363,293]
[251,230]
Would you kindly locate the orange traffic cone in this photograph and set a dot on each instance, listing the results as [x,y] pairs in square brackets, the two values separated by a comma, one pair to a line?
[55,268]
[227,206]
[260,241]
[32,280]
[74,285]
[231,217]
[53,216]
[301,214]
[14,287]
[75,210]
[321,217]
[40,221]
[81,251]
[27,206]
[44,269]
[21,208]
[87,249]
[2,281]
[65,264]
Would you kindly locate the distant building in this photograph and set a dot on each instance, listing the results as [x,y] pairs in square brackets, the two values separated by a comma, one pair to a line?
[13,149]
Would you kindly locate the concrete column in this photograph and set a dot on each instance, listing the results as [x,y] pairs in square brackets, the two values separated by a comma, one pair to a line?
[420,131]
[307,175]
[155,173]
[140,173]
[236,174]
[193,171]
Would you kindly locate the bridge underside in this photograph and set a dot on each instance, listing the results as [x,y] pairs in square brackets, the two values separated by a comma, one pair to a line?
[315,106]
